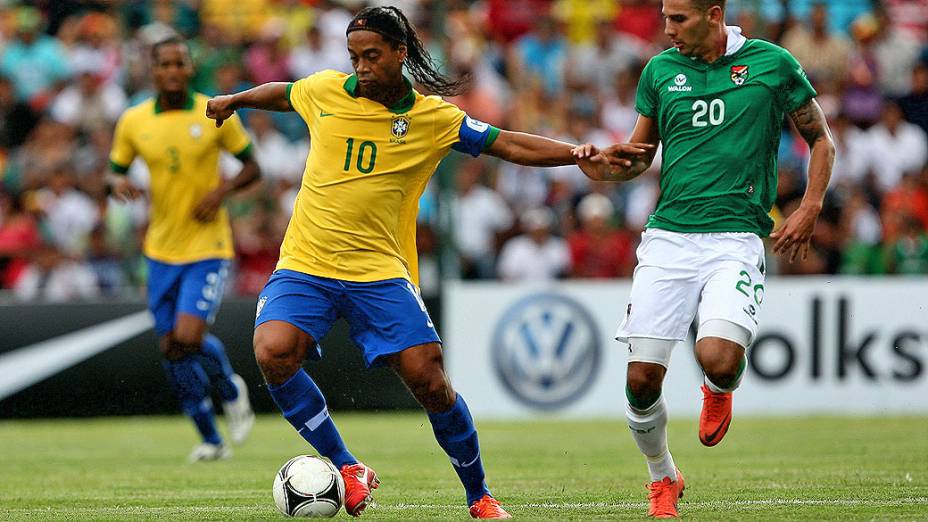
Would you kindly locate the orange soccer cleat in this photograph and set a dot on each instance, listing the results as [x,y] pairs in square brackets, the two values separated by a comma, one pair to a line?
[664,495]
[488,507]
[359,481]
[715,417]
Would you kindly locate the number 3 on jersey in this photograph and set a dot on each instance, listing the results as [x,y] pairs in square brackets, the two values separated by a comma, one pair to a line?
[365,166]
[714,109]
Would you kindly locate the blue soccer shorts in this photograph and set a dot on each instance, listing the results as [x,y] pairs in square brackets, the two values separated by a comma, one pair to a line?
[190,288]
[384,317]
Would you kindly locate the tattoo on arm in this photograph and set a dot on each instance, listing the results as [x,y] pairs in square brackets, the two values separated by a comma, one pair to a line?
[810,122]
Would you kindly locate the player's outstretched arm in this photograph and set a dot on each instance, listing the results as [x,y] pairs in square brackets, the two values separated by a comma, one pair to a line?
[615,163]
[531,149]
[794,236]
[269,97]
[627,160]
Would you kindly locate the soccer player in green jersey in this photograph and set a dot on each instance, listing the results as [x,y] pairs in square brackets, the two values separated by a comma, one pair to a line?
[716,101]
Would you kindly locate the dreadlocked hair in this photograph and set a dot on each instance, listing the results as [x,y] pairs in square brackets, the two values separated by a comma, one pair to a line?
[392,24]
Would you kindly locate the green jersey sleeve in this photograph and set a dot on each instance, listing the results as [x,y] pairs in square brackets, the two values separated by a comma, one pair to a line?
[797,89]
[646,96]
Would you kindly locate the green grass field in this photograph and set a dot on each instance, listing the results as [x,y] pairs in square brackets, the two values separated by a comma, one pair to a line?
[773,469]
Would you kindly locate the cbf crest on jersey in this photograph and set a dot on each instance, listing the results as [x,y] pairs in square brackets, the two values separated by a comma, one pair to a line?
[739,74]
[399,127]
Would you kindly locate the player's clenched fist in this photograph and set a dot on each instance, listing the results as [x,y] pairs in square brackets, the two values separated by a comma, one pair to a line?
[220,108]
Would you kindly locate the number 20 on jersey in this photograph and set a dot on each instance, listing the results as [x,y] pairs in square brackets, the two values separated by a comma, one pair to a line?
[712,113]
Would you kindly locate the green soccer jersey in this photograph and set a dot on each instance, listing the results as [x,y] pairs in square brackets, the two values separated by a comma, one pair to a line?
[720,127]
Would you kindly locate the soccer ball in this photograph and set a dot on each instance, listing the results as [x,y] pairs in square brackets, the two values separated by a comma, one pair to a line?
[307,486]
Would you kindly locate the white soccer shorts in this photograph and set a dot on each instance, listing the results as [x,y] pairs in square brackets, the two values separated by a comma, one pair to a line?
[682,276]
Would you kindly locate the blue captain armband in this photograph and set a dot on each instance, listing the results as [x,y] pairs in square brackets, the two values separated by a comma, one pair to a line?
[475,136]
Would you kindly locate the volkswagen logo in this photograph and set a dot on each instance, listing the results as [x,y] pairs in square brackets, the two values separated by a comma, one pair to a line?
[546,351]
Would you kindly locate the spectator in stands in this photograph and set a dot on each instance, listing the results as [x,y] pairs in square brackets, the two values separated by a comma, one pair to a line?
[862,232]
[582,18]
[480,219]
[618,112]
[598,62]
[19,239]
[275,155]
[52,276]
[16,117]
[35,62]
[266,60]
[314,53]
[851,154]
[238,19]
[896,53]
[104,260]
[598,249]
[539,57]
[69,214]
[915,104]
[536,255]
[908,254]
[895,147]
[909,199]
[89,102]
[862,98]
[209,51]
[823,54]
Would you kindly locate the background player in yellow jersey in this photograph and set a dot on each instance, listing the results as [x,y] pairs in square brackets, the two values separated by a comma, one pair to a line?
[350,247]
[188,242]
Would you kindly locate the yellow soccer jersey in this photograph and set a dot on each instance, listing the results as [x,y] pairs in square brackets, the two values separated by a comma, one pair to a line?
[355,216]
[181,148]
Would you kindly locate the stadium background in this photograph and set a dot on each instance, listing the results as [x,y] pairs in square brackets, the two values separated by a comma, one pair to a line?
[563,68]
[843,334]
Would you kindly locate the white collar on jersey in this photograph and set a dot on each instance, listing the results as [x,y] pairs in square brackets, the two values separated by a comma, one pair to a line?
[735,40]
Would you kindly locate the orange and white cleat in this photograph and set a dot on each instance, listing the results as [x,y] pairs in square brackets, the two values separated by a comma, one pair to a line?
[715,417]
[359,481]
[664,496]
[489,508]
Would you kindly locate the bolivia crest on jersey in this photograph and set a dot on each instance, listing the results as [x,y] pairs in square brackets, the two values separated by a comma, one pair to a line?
[739,74]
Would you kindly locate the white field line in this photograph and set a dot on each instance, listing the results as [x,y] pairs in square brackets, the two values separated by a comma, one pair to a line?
[567,505]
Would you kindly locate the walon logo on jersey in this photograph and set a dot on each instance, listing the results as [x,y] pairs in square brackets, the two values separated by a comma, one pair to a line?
[679,84]
[399,128]
[739,74]
[546,351]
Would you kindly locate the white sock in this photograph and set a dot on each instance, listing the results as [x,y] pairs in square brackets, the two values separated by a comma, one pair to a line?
[649,429]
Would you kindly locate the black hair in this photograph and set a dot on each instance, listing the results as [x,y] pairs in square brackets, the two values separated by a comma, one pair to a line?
[171,40]
[392,24]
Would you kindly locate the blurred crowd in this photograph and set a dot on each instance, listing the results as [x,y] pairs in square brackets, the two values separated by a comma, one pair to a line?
[562,68]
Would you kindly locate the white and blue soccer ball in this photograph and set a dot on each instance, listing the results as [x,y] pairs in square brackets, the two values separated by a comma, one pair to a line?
[308,486]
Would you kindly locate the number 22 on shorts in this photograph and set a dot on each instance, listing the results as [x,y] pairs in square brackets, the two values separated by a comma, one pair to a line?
[746,287]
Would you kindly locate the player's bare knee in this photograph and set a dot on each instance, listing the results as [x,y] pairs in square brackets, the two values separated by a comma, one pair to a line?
[168,350]
[186,340]
[277,360]
[431,388]
[435,394]
[645,381]
[721,359]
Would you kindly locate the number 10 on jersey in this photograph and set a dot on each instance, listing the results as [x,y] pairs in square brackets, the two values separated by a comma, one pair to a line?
[364,166]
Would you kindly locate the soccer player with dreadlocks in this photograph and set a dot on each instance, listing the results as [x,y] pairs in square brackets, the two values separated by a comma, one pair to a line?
[350,248]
